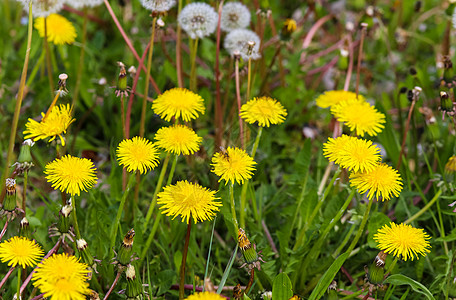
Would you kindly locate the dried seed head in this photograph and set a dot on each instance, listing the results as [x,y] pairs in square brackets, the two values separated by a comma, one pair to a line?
[158,6]
[81,244]
[198,19]
[235,15]
[10,186]
[244,41]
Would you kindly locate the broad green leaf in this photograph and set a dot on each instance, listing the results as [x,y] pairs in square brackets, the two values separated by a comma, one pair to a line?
[328,277]
[281,287]
[376,221]
[399,279]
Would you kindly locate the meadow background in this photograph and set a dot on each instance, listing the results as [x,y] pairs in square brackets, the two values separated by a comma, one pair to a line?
[404,47]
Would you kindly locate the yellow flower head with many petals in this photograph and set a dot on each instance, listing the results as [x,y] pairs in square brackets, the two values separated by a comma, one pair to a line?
[178,139]
[382,182]
[354,154]
[59,30]
[20,251]
[188,200]
[403,241]
[71,174]
[205,296]
[137,153]
[234,165]
[62,277]
[450,166]
[330,98]
[359,116]
[263,110]
[55,124]
[178,103]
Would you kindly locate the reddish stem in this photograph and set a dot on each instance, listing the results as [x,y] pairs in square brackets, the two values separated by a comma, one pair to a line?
[52,251]
[130,45]
[311,33]
[238,98]
[113,285]
[350,64]
[4,229]
[133,91]
[6,276]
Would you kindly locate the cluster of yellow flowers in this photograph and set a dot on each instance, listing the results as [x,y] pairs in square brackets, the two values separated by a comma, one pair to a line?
[367,173]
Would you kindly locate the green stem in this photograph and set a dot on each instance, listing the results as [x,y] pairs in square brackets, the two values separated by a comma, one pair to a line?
[184,261]
[425,208]
[81,60]
[122,111]
[24,193]
[391,266]
[193,79]
[19,273]
[361,227]
[246,184]
[20,95]
[320,202]
[48,57]
[249,75]
[233,209]
[115,225]
[146,87]
[75,219]
[315,250]
[180,80]
[159,216]
[344,242]
[442,230]
[35,69]
[157,189]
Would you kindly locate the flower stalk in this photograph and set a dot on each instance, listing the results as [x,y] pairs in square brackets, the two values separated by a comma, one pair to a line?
[184,261]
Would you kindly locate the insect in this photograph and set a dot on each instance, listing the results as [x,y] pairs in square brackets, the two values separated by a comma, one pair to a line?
[224,152]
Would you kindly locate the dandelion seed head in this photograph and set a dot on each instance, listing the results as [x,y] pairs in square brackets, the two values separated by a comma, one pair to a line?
[238,40]
[158,5]
[43,8]
[235,15]
[84,3]
[198,19]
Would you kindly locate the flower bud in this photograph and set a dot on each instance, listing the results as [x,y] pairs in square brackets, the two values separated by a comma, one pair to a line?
[446,104]
[289,26]
[24,229]
[63,225]
[125,251]
[10,200]
[122,88]
[134,288]
[376,270]
[84,254]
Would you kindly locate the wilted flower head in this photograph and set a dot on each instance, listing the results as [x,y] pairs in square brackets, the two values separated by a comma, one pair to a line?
[59,30]
[198,19]
[43,8]
[158,5]
[235,15]
[84,3]
[239,39]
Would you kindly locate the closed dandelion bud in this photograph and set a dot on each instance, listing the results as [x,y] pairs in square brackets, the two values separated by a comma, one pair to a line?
[125,251]
[237,292]
[289,26]
[122,88]
[247,249]
[93,295]
[447,69]
[84,253]
[376,270]
[24,229]
[332,291]
[343,59]
[134,288]
[25,156]
[10,200]
[446,104]
[63,224]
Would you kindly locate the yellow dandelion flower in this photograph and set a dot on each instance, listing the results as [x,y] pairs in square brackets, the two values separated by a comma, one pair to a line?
[359,116]
[71,174]
[450,166]
[178,103]
[234,165]
[178,139]
[403,240]
[55,124]
[382,182]
[59,30]
[137,153]
[20,251]
[205,296]
[354,154]
[330,98]
[263,110]
[62,277]
[188,200]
